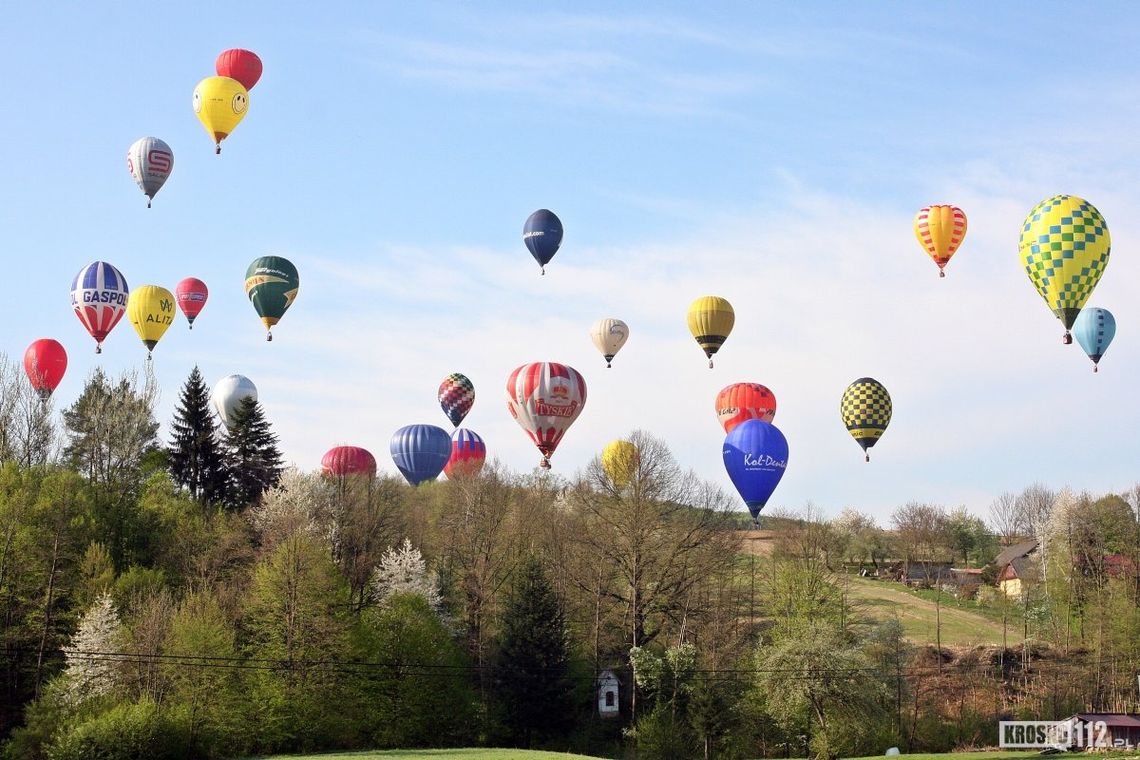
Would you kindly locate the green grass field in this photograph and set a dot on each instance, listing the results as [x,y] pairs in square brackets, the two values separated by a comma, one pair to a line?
[881,600]
[998,755]
[452,754]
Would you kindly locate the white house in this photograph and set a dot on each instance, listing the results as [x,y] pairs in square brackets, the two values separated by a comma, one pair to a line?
[608,694]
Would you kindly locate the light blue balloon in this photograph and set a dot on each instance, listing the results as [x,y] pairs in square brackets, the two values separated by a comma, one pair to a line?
[755,455]
[1095,329]
[420,452]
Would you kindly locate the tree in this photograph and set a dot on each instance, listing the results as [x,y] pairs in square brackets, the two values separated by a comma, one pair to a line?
[90,671]
[27,434]
[1035,508]
[532,670]
[403,571]
[254,461]
[1005,517]
[921,529]
[195,453]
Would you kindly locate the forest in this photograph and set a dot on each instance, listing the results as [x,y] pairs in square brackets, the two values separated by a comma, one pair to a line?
[194,597]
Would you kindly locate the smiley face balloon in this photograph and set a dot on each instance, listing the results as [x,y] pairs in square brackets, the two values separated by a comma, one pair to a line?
[221,104]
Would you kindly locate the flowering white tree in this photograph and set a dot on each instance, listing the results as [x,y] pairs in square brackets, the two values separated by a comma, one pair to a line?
[90,670]
[299,501]
[403,571]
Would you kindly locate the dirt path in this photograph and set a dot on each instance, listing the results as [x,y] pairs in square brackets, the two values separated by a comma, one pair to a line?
[882,600]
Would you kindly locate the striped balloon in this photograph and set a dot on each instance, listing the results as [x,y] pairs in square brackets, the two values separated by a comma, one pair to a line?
[545,398]
[468,452]
[420,452]
[940,230]
[99,296]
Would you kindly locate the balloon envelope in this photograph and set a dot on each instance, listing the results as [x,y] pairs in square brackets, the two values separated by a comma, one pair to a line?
[940,230]
[545,398]
[542,234]
[150,161]
[191,294]
[1064,248]
[468,453]
[151,311]
[456,396]
[744,401]
[1095,328]
[240,64]
[228,394]
[609,335]
[45,362]
[710,321]
[619,461]
[348,460]
[866,411]
[99,296]
[756,456]
[271,283]
[420,452]
[220,103]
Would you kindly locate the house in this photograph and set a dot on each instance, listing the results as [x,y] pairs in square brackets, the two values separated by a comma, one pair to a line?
[608,705]
[1105,730]
[923,574]
[963,582]
[1015,568]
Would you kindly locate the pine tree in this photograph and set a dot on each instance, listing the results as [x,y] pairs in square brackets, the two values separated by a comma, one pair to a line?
[254,461]
[532,674]
[195,453]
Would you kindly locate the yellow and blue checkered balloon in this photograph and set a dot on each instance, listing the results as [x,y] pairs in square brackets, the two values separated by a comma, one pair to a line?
[1064,247]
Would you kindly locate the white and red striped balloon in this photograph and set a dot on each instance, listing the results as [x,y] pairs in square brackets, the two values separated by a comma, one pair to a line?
[545,398]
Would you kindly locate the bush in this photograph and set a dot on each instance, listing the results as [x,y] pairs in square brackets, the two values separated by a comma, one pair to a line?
[662,737]
[128,731]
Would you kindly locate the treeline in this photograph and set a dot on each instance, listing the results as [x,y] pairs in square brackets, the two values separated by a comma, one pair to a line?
[190,598]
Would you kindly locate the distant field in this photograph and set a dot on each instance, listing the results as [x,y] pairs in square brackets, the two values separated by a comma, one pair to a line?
[882,600]
[453,754]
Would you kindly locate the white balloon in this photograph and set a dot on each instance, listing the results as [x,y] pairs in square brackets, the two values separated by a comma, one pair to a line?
[150,161]
[228,394]
[609,336]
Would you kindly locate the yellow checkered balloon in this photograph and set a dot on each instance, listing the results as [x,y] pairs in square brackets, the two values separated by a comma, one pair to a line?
[866,410]
[1064,248]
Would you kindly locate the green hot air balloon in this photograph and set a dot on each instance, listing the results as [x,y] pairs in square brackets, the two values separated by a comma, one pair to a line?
[271,282]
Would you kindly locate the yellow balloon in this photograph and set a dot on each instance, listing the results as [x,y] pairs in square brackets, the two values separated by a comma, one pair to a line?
[1064,248]
[220,103]
[619,461]
[151,310]
[710,321]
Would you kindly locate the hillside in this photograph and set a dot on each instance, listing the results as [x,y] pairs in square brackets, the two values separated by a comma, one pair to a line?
[882,600]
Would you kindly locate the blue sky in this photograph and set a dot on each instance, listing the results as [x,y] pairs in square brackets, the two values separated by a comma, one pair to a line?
[774,154]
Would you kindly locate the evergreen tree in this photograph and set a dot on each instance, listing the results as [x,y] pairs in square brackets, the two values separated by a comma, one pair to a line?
[252,455]
[532,675]
[196,461]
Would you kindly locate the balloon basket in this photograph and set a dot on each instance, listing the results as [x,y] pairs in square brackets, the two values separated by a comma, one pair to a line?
[544,464]
[98,349]
[148,204]
[866,457]
[1095,369]
[1067,339]
[217,150]
[268,337]
[941,273]
[710,364]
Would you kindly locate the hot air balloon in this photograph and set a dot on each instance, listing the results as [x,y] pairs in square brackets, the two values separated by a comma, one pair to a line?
[456,396]
[221,103]
[420,452]
[1064,247]
[271,282]
[710,321]
[348,460]
[468,452]
[1095,328]
[228,394]
[744,401]
[609,335]
[239,64]
[545,398]
[99,296]
[756,456]
[940,230]
[191,294]
[45,361]
[150,161]
[542,234]
[866,411]
[151,310]
[619,461]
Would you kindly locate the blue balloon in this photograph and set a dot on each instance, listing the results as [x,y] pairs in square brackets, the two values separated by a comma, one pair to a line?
[420,452]
[1095,329]
[755,455]
[542,234]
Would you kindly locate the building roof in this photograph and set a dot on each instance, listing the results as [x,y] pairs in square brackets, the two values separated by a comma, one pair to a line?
[1012,552]
[1119,720]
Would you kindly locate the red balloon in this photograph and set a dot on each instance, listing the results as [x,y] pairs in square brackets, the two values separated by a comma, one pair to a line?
[348,460]
[191,295]
[242,65]
[744,401]
[45,361]
[468,452]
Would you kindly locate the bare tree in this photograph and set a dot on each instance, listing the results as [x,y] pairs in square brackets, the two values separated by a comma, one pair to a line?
[1005,517]
[1035,507]
[922,533]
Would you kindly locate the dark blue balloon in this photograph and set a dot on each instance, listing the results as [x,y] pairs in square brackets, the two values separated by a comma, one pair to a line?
[542,234]
[420,452]
[755,455]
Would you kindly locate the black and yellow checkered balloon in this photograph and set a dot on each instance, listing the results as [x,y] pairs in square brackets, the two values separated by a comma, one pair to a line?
[1064,247]
[866,411]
